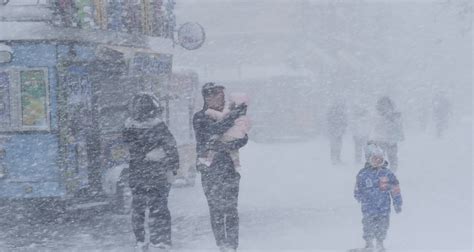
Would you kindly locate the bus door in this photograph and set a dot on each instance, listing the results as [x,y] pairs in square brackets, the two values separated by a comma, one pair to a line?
[112,92]
[76,124]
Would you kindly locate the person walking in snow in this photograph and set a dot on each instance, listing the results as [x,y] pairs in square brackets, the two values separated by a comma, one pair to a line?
[388,130]
[337,124]
[441,114]
[153,160]
[220,179]
[376,187]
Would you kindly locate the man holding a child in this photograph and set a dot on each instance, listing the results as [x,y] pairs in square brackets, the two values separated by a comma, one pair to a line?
[221,130]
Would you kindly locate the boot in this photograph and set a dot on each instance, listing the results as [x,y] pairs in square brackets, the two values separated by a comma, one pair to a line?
[141,247]
[379,246]
[162,247]
[369,245]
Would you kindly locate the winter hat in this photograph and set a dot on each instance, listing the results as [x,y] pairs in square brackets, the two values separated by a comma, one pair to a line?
[211,88]
[144,106]
[372,150]
[153,97]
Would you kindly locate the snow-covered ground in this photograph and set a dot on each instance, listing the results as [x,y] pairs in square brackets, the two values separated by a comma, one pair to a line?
[292,199]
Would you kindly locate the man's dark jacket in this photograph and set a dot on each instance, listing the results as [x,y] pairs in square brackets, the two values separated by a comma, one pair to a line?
[205,128]
[143,138]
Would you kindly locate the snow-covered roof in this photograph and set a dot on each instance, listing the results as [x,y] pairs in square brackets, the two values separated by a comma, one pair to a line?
[25,13]
[129,53]
[5,48]
[28,2]
[16,31]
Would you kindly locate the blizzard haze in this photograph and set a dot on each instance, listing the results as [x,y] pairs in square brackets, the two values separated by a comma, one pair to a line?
[329,85]
[295,58]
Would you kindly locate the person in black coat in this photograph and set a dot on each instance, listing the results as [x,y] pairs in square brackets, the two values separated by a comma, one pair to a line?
[153,159]
[220,180]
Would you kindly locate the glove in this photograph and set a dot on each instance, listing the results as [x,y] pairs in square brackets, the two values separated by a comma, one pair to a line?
[398,209]
[242,109]
[238,111]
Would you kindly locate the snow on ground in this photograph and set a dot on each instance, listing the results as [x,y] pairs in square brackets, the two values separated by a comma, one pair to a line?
[292,199]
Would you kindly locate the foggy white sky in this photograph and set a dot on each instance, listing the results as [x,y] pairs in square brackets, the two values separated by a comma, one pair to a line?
[411,49]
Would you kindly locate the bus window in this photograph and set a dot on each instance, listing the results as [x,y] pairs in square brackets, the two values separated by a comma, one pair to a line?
[24,99]
[34,99]
[4,100]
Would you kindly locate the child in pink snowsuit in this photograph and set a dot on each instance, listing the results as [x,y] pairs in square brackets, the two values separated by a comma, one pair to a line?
[239,130]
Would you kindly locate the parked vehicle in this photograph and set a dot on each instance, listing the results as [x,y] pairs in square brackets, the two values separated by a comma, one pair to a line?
[64,95]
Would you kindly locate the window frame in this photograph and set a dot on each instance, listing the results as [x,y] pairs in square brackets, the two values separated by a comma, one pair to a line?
[15,106]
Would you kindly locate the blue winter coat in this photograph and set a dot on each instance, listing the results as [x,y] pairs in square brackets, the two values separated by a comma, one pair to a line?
[375,188]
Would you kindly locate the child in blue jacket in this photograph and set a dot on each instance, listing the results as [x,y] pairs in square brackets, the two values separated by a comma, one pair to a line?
[375,188]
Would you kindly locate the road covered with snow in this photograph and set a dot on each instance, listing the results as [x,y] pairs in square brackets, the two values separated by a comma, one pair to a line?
[293,199]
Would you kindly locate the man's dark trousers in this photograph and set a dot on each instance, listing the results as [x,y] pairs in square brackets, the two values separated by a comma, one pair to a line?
[222,193]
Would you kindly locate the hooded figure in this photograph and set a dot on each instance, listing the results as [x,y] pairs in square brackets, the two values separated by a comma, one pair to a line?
[376,187]
[153,158]
[337,124]
[388,130]
[441,114]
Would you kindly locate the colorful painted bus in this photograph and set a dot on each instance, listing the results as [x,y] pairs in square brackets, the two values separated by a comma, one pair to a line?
[64,95]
